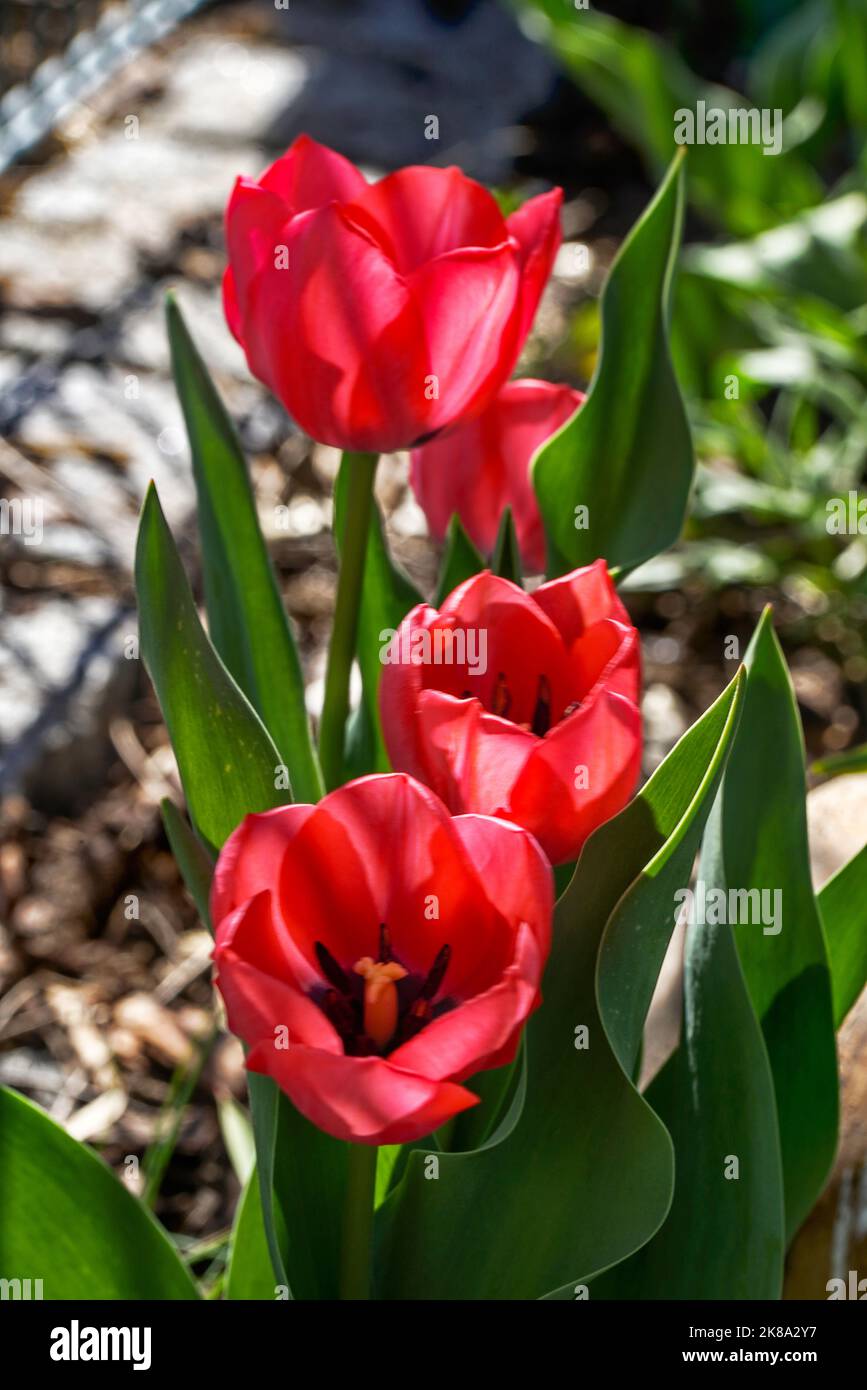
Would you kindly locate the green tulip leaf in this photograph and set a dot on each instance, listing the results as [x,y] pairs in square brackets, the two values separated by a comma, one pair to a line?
[843,909]
[835,764]
[506,559]
[228,765]
[193,860]
[584,1176]
[226,759]
[70,1222]
[614,481]
[460,561]
[764,851]
[247,620]
[724,1237]
[250,1274]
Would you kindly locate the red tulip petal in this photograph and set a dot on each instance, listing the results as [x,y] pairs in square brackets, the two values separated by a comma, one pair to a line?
[231,308]
[309,175]
[604,737]
[249,861]
[579,599]
[468,302]
[607,653]
[513,871]
[255,226]
[460,1043]
[252,978]
[366,1100]
[473,758]
[536,228]
[484,1031]
[399,688]
[481,467]
[400,862]
[338,337]
[420,212]
[456,472]
[522,645]
[527,413]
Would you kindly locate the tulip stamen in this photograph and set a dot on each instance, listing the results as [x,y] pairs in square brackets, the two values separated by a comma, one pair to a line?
[385,952]
[436,974]
[334,973]
[367,1009]
[542,713]
[421,1010]
[380,997]
[502,701]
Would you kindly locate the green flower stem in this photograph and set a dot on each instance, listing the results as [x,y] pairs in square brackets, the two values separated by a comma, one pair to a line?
[355,1249]
[341,650]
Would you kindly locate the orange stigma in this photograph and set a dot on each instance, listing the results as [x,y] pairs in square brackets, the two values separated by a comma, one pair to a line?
[380,997]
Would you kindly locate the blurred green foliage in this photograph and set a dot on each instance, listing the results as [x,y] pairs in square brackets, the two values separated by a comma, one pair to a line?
[769,330]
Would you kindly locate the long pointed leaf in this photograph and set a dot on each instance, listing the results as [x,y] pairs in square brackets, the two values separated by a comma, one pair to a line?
[725,1234]
[763,836]
[70,1222]
[226,760]
[585,1176]
[626,456]
[227,764]
[843,908]
[246,617]
[460,561]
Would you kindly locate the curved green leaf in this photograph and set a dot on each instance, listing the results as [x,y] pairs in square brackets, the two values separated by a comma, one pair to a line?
[763,837]
[843,909]
[226,760]
[626,455]
[193,860]
[227,764]
[68,1221]
[250,1274]
[246,617]
[585,1175]
[724,1237]
[460,561]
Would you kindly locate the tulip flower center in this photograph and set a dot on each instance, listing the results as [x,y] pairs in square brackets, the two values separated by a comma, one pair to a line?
[541,722]
[380,997]
[379,1004]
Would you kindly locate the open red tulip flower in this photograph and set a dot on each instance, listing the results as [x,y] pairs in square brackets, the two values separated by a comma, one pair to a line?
[483,467]
[380,314]
[374,953]
[521,706]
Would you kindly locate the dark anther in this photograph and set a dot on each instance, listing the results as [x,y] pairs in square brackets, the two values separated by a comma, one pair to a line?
[334,973]
[343,1004]
[436,974]
[384,943]
[341,1013]
[502,697]
[542,713]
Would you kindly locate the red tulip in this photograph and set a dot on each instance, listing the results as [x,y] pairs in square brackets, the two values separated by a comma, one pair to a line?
[522,706]
[374,953]
[484,466]
[381,314]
